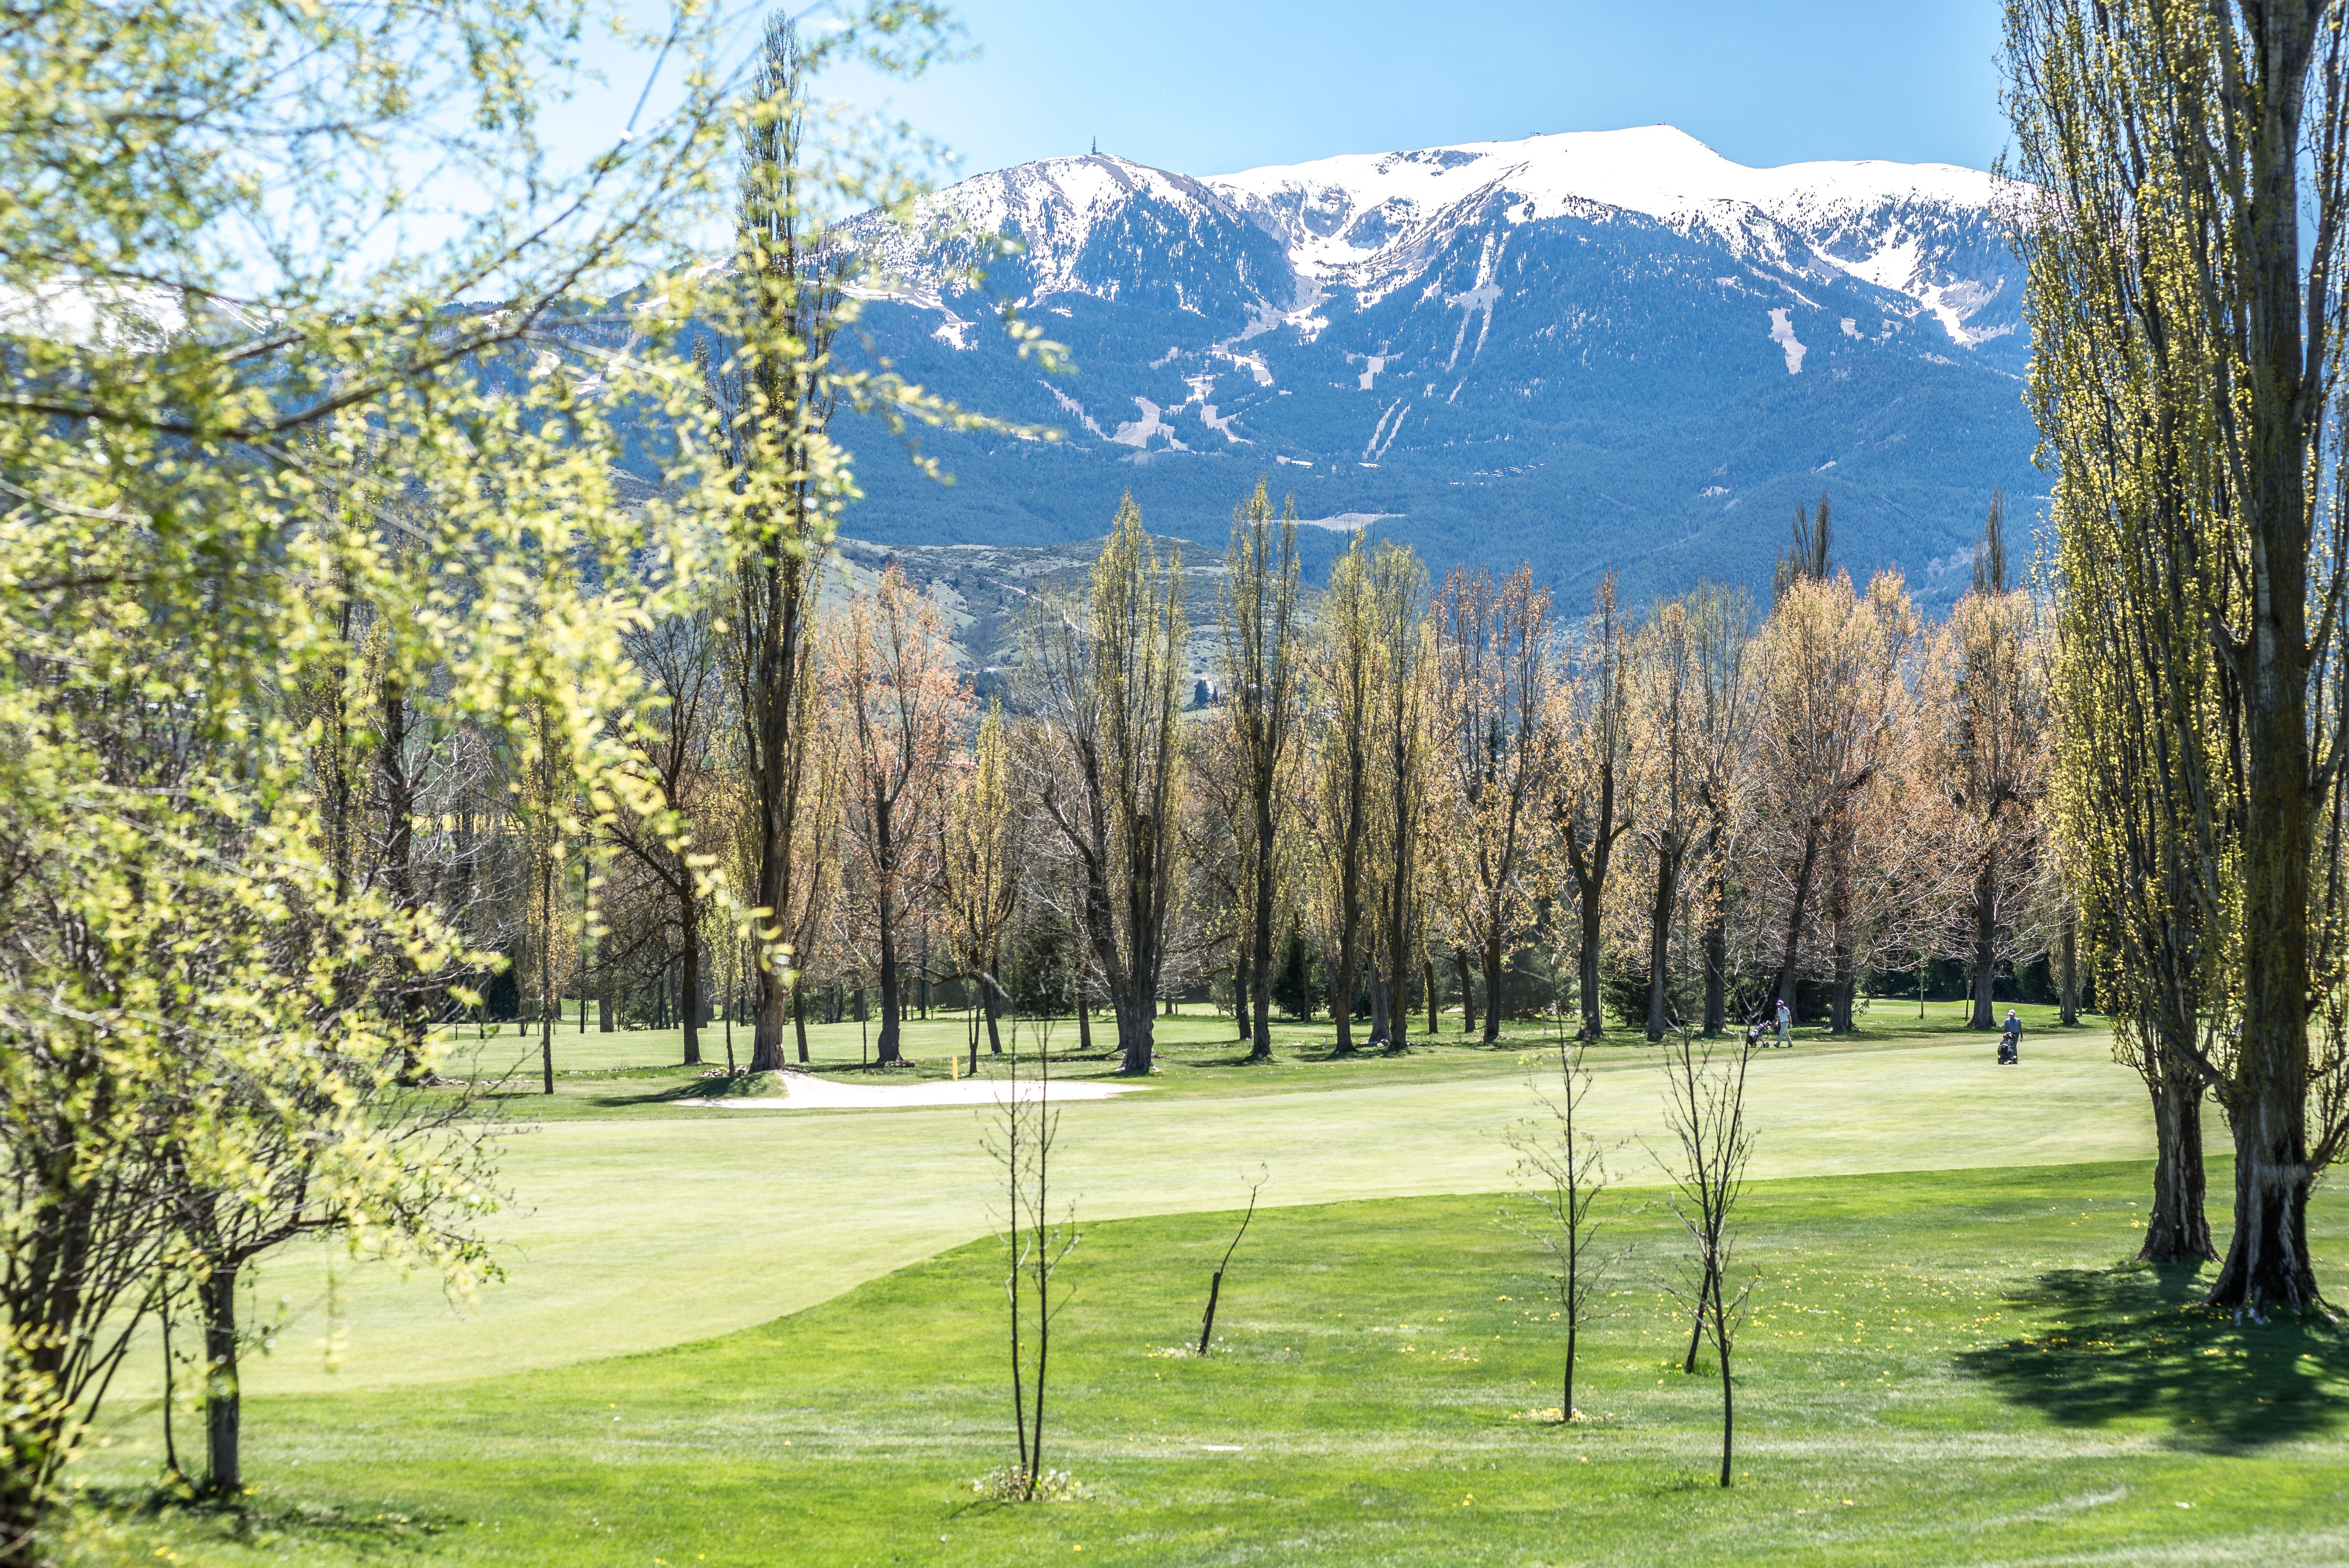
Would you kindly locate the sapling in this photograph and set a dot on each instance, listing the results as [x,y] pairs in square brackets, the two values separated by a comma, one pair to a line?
[1026,1127]
[1216,1284]
[1706,1107]
[1562,1171]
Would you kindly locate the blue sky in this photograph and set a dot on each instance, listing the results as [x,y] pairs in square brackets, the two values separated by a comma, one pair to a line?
[1211,86]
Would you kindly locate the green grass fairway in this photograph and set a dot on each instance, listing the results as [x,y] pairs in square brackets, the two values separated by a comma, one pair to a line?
[638,1223]
[1941,1367]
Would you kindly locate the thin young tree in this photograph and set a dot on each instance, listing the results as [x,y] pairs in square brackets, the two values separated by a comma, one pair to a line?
[1711,1145]
[1258,619]
[1562,1173]
[903,707]
[1037,1240]
[1216,1279]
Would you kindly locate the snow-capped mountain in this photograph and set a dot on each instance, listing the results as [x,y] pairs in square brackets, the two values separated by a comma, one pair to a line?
[1590,349]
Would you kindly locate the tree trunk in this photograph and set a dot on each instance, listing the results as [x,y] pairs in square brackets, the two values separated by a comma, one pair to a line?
[1660,938]
[1586,968]
[1493,988]
[1844,975]
[689,973]
[607,1020]
[798,1013]
[1716,938]
[1467,994]
[1084,1022]
[892,1004]
[1240,993]
[1728,1405]
[1716,969]
[1427,982]
[1137,1022]
[2068,970]
[223,1402]
[1342,987]
[1260,933]
[769,1019]
[987,1000]
[399,873]
[1985,943]
[1791,956]
[1566,1393]
[2179,1229]
[1382,1007]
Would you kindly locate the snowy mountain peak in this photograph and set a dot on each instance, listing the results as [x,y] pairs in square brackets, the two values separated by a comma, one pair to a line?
[1106,226]
[1340,214]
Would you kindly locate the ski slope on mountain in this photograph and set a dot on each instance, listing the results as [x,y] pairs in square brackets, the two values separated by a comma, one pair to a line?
[1592,350]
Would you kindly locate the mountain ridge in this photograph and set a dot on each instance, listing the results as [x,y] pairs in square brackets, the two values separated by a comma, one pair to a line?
[1592,350]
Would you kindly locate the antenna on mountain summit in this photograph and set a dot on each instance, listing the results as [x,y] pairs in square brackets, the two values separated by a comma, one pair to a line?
[1096,146]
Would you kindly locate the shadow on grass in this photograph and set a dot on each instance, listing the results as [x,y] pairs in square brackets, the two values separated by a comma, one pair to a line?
[281,1522]
[2134,1342]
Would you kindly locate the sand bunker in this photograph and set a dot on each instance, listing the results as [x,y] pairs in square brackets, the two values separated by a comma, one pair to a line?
[803,1091]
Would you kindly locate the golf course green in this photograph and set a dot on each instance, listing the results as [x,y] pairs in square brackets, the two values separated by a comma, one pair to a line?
[746,1335]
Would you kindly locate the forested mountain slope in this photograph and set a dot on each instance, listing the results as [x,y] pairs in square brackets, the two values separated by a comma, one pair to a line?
[1593,349]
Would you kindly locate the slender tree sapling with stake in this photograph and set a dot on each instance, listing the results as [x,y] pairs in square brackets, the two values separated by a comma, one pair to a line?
[1216,1284]
[1704,1105]
[1562,1173]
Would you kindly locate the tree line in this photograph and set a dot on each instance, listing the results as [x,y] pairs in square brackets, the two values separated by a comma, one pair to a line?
[1399,792]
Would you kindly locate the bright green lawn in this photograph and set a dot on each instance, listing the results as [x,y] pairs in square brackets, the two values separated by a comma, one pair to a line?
[1942,1369]
[755,1336]
[638,1223]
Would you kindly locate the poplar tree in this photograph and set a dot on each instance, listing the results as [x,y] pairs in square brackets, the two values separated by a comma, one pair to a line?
[1591,804]
[1257,617]
[902,707]
[772,401]
[977,881]
[1102,683]
[1341,768]
[1493,755]
[1985,703]
[1406,644]
[2194,227]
